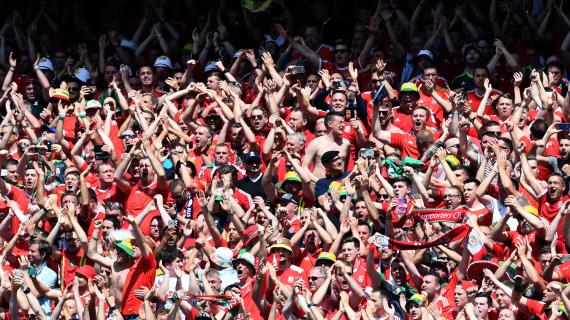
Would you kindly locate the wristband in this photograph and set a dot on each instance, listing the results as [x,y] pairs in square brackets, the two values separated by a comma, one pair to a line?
[82,115]
[26,290]
[310,305]
[61,115]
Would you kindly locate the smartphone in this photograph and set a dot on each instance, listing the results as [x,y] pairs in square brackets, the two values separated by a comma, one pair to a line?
[171,224]
[92,89]
[563,126]
[295,70]
[367,153]
[337,84]
[565,258]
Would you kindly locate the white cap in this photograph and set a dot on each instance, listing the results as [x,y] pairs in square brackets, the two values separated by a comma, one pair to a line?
[93,104]
[163,61]
[45,64]
[128,44]
[82,74]
[425,53]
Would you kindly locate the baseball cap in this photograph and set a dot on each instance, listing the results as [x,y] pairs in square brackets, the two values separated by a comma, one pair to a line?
[82,74]
[417,298]
[93,104]
[283,243]
[409,87]
[128,44]
[329,156]
[127,246]
[250,156]
[163,61]
[425,53]
[86,271]
[326,256]
[45,64]
[246,257]
[289,197]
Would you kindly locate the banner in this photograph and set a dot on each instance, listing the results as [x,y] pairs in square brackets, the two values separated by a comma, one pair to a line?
[452,235]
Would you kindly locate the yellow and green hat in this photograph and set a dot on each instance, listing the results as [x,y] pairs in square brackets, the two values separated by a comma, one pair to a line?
[126,245]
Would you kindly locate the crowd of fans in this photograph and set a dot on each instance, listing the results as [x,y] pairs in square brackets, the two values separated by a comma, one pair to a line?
[285,160]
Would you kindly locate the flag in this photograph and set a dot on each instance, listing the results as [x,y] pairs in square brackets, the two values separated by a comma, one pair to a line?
[474,243]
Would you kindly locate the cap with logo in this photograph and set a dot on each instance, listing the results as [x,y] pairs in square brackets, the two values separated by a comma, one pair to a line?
[163,62]
[82,74]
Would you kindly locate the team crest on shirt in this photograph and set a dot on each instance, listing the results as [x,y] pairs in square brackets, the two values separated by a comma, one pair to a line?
[360,278]
[291,279]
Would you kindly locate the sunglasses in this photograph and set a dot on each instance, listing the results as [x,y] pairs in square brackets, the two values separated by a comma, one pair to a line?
[313,278]
[383,196]
[257,117]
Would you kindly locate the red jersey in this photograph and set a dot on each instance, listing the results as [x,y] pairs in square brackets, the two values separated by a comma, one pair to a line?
[406,144]
[548,209]
[474,100]
[141,274]
[290,275]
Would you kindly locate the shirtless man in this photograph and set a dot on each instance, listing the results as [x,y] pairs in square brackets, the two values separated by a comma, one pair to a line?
[332,141]
[133,267]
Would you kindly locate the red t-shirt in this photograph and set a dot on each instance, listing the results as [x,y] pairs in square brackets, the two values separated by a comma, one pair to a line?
[141,274]
[406,143]
[548,209]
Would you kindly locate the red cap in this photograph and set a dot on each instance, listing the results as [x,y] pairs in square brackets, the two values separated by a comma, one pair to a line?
[86,271]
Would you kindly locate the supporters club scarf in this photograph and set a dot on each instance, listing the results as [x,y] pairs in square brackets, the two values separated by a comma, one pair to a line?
[452,235]
[433,215]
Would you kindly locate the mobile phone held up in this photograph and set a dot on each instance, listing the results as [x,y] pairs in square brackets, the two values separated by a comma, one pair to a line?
[563,126]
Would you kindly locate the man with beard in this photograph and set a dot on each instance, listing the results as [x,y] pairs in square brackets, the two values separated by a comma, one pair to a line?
[146,77]
[163,69]
[472,59]
[476,95]
[298,122]
[244,264]
[434,301]
[133,268]
[333,141]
